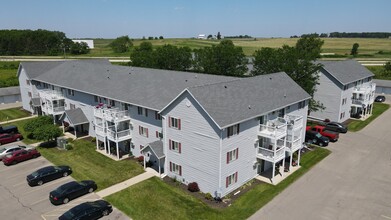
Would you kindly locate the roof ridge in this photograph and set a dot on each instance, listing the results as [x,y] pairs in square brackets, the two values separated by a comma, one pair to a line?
[215,83]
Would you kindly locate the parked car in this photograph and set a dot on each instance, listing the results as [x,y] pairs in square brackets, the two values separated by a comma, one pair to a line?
[331,135]
[314,137]
[88,210]
[9,129]
[9,150]
[64,193]
[47,174]
[8,138]
[336,126]
[20,155]
[380,98]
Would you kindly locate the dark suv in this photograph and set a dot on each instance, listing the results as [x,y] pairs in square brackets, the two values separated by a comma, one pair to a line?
[314,137]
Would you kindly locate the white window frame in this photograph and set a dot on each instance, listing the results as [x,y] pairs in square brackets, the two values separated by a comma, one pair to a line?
[175,168]
[143,131]
[174,122]
[175,146]
[232,155]
[231,179]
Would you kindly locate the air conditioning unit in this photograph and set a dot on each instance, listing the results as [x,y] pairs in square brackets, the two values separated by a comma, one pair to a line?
[62,142]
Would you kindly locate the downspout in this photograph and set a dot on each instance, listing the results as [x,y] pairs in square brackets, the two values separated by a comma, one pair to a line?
[220,155]
[164,132]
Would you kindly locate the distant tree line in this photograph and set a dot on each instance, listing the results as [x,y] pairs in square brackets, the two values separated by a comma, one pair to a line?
[38,42]
[347,35]
[239,36]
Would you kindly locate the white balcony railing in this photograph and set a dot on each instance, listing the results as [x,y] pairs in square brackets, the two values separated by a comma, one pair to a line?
[294,145]
[119,135]
[100,130]
[51,94]
[294,122]
[271,155]
[111,114]
[365,89]
[276,128]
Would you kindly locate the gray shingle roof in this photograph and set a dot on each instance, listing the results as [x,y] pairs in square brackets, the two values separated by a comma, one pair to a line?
[346,71]
[231,102]
[14,90]
[157,148]
[382,83]
[149,88]
[76,116]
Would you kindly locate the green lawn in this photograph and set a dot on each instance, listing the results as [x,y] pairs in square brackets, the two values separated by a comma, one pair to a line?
[378,109]
[86,164]
[13,113]
[8,74]
[153,197]
[379,72]
[20,125]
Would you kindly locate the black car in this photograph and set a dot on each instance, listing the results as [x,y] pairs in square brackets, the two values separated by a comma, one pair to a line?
[314,137]
[47,174]
[335,126]
[88,210]
[380,98]
[71,190]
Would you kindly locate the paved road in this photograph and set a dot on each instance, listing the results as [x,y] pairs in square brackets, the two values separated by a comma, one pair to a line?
[354,182]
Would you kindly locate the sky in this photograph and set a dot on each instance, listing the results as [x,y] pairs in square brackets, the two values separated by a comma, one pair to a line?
[184,19]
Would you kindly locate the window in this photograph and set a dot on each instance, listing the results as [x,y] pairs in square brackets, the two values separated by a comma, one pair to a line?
[158,116]
[52,87]
[96,99]
[301,104]
[27,82]
[125,106]
[174,123]
[232,155]
[342,115]
[112,102]
[38,83]
[281,113]
[143,131]
[71,92]
[175,146]
[344,101]
[142,111]
[231,179]
[72,106]
[345,87]
[233,130]
[175,168]
[29,94]
[159,134]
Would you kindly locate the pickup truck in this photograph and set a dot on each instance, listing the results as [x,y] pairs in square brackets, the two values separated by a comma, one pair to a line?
[333,136]
[9,129]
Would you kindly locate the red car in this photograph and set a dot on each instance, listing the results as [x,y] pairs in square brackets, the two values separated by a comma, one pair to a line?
[8,138]
[20,155]
[333,136]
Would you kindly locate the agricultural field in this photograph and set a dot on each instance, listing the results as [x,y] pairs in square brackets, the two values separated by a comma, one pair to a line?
[8,74]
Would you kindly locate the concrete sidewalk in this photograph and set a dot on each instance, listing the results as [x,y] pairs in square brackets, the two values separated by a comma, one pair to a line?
[18,119]
[10,105]
[125,184]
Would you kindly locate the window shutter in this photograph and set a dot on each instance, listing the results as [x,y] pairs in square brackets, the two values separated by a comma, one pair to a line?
[157,134]
[238,127]
[169,143]
[237,153]
[180,146]
[236,177]
[147,132]
[170,167]
[179,124]
[226,181]
[180,170]
[169,122]
[227,157]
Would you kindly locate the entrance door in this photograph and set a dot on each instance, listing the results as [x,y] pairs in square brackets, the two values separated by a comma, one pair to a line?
[261,166]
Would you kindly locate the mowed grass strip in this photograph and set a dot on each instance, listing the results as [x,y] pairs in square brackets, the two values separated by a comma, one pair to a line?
[87,164]
[13,113]
[154,198]
[20,125]
[378,109]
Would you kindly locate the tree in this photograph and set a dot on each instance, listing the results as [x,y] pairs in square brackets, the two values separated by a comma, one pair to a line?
[161,37]
[354,51]
[31,125]
[209,36]
[387,66]
[218,35]
[170,57]
[47,132]
[79,48]
[121,44]
[142,56]
[221,59]
[298,62]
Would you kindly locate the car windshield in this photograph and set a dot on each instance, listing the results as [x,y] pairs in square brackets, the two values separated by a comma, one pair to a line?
[35,174]
[318,135]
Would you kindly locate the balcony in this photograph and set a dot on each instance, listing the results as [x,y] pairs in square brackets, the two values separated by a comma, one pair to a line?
[274,129]
[362,101]
[111,114]
[293,145]
[53,109]
[294,122]
[100,130]
[119,135]
[51,94]
[365,89]
[271,155]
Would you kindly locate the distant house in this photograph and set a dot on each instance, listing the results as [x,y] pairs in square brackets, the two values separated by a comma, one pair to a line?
[218,131]
[10,95]
[201,36]
[90,43]
[383,86]
[345,89]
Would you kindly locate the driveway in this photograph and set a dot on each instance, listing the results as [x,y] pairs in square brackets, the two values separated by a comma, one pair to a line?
[354,182]
[20,201]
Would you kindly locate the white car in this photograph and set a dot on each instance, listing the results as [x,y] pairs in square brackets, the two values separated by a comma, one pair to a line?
[9,150]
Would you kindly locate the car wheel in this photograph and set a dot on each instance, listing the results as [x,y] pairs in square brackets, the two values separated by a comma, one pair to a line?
[65,201]
[40,183]
[65,174]
[105,212]
[321,144]
[34,156]
[90,190]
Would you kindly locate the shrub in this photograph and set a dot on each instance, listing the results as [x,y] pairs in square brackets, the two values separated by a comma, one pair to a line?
[208,196]
[193,187]
[149,164]
[93,139]
[68,147]
[140,159]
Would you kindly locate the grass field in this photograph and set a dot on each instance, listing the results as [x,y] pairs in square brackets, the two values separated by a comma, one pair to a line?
[379,72]
[87,164]
[13,113]
[8,74]
[378,109]
[153,197]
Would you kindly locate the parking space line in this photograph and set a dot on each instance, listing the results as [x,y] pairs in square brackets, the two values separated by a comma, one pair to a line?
[36,202]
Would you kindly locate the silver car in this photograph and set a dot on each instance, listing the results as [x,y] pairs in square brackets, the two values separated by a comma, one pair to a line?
[9,150]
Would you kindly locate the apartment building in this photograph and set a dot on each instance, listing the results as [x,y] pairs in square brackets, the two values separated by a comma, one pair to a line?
[217,131]
[346,90]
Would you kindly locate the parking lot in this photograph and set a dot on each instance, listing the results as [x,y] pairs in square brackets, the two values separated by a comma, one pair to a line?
[20,201]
